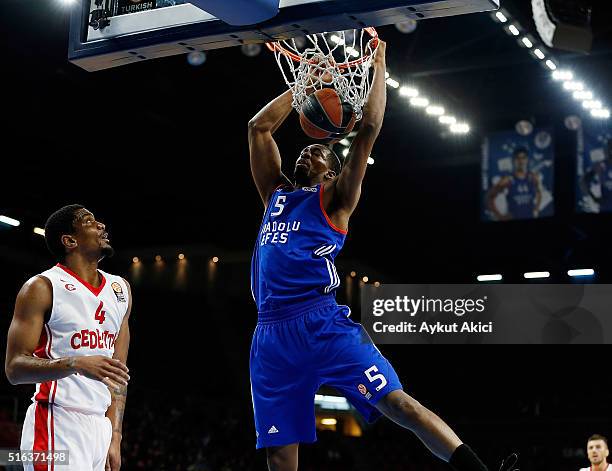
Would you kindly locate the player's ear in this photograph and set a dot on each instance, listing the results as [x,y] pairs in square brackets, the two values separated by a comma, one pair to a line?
[330,175]
[69,241]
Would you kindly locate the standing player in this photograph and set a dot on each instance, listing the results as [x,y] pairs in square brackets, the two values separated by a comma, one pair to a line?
[70,336]
[303,338]
[600,176]
[522,188]
[597,451]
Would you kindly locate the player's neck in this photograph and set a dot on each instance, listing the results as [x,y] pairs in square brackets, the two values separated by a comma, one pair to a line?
[84,268]
[603,466]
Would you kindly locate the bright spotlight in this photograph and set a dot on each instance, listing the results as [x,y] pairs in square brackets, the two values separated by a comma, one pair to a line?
[336,39]
[527,42]
[419,102]
[583,95]
[251,50]
[573,86]
[434,110]
[603,113]
[460,128]
[370,161]
[514,30]
[501,17]
[539,54]
[562,75]
[345,152]
[409,92]
[392,83]
[496,277]
[9,221]
[39,231]
[536,274]
[581,272]
[352,51]
[447,119]
[592,104]
[196,58]
[329,421]
[551,65]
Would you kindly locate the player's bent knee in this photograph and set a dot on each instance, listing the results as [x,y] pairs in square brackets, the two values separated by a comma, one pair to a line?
[402,408]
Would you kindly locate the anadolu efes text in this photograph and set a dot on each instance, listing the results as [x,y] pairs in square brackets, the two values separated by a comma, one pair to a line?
[488,314]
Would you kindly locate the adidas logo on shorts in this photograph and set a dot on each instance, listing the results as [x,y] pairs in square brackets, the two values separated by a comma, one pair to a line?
[273,429]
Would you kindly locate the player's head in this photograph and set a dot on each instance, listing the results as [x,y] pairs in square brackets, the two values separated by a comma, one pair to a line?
[520,158]
[597,449]
[74,229]
[315,164]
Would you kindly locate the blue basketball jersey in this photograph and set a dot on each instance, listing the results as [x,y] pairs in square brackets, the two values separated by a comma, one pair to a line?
[293,260]
[521,196]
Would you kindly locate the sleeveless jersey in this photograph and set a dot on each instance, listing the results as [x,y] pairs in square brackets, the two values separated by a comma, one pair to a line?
[609,468]
[84,321]
[521,196]
[293,260]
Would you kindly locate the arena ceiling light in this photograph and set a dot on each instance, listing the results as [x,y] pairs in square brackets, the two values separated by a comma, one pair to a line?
[494,277]
[536,274]
[39,231]
[581,272]
[9,221]
[538,51]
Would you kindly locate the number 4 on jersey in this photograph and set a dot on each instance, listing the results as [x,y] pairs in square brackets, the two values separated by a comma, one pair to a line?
[100,315]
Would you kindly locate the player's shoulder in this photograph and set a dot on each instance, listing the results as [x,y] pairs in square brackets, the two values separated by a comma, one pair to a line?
[38,290]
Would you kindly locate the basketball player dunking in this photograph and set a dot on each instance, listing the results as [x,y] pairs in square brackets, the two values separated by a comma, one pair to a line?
[70,336]
[598,452]
[303,339]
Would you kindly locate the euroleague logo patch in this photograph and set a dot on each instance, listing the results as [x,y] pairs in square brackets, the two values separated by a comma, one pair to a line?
[363,390]
[118,290]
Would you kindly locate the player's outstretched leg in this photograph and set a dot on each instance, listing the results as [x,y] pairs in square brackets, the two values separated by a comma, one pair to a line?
[431,430]
[283,458]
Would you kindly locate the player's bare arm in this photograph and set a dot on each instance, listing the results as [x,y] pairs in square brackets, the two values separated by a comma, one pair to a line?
[264,154]
[501,186]
[119,394]
[34,301]
[343,195]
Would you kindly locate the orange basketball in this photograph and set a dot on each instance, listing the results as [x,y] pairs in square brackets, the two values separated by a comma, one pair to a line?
[325,116]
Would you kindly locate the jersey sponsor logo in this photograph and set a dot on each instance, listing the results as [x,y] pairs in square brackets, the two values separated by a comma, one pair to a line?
[70,287]
[93,339]
[118,290]
[312,189]
[363,390]
[278,232]
[272,430]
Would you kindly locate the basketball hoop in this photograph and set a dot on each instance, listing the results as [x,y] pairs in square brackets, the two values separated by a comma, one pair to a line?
[340,60]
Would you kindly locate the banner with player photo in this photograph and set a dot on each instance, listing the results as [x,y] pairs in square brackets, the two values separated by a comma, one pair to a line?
[594,168]
[518,174]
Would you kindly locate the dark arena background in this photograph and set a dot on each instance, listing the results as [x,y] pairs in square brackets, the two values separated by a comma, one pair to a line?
[158,151]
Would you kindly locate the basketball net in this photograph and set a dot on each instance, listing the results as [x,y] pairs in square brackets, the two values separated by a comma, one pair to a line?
[340,60]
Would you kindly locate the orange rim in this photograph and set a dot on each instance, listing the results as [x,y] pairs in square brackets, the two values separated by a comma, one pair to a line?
[372,44]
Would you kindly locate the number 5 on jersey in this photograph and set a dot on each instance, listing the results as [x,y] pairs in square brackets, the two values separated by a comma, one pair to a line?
[280,205]
[376,377]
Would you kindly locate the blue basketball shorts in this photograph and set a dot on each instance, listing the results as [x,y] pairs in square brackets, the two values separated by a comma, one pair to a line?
[293,356]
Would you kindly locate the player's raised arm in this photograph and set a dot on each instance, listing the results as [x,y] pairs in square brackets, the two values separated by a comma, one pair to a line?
[119,394]
[348,187]
[264,153]
[21,366]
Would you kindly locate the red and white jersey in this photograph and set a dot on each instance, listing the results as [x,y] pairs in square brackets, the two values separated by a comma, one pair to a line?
[84,321]
[609,468]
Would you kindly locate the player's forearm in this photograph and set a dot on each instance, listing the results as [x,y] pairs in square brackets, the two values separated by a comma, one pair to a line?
[116,410]
[27,369]
[271,116]
[374,111]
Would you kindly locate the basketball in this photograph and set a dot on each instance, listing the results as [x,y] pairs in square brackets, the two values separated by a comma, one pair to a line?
[325,116]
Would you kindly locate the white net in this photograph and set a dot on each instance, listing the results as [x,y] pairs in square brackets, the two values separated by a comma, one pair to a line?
[340,60]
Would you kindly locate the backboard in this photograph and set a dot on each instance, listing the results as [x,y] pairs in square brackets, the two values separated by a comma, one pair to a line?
[137,30]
